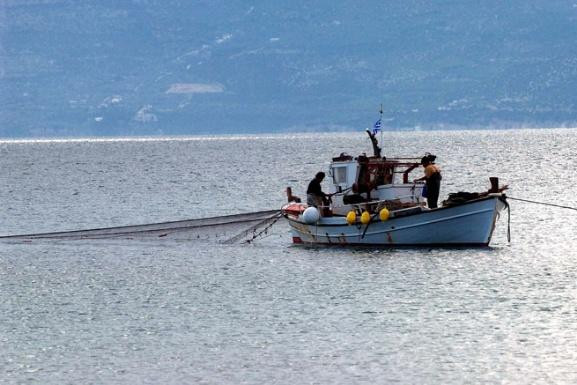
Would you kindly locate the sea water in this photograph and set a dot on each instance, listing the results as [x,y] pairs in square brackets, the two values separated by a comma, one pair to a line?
[167,312]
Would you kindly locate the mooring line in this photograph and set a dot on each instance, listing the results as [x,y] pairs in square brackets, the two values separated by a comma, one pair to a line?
[542,203]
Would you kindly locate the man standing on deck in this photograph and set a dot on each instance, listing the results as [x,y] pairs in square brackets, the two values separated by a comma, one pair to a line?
[315,195]
[432,179]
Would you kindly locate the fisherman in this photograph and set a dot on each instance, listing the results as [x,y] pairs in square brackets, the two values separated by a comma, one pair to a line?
[432,179]
[315,195]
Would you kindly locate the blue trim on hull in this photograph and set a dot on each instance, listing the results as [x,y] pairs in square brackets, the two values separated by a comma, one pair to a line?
[442,228]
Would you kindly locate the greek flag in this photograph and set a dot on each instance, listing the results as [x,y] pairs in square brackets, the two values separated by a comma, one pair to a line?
[377,127]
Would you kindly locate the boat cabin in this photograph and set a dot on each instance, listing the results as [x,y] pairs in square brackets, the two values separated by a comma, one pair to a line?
[372,180]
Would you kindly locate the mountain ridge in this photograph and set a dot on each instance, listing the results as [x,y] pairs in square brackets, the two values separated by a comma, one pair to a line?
[148,67]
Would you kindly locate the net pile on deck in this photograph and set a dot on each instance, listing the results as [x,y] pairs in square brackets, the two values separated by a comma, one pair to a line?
[237,228]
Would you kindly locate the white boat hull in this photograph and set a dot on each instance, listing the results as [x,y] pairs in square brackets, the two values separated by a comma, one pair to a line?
[471,223]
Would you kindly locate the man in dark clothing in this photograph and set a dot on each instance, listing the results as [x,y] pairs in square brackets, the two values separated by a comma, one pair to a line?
[432,178]
[315,195]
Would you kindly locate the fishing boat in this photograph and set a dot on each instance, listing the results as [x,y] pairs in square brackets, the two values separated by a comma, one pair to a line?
[374,203]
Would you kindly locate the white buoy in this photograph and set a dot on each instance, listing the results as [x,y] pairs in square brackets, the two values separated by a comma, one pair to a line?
[311,215]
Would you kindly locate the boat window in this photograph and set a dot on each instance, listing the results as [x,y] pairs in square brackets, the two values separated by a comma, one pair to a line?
[340,175]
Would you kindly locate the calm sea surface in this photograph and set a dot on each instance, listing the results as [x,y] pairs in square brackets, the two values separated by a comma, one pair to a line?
[168,312]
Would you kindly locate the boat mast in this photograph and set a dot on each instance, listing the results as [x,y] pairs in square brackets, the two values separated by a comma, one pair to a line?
[381,120]
[373,133]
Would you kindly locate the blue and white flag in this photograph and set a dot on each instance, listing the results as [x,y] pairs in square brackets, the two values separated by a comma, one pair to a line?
[377,127]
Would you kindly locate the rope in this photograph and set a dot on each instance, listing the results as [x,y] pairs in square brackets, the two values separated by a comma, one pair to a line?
[264,231]
[543,203]
[508,207]
[368,224]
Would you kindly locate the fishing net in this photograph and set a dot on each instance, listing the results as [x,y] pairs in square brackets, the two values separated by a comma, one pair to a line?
[239,228]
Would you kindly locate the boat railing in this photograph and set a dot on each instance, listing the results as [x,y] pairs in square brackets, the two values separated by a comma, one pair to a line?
[375,203]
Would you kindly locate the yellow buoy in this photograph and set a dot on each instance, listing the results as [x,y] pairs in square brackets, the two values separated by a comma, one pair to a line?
[351,217]
[365,217]
[384,214]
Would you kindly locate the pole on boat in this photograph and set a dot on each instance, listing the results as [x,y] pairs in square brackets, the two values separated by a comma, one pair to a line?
[381,120]
[494,184]
[290,197]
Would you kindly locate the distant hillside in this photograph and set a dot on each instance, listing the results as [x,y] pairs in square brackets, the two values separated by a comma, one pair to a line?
[143,67]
